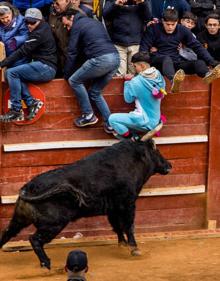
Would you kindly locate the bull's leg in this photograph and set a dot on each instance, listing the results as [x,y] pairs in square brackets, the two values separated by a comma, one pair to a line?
[22,218]
[128,220]
[117,228]
[12,230]
[42,236]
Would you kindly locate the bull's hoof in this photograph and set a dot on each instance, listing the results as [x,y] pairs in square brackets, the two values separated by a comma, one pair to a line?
[46,264]
[135,252]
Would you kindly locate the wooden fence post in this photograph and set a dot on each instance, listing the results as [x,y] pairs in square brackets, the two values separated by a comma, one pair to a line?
[213,181]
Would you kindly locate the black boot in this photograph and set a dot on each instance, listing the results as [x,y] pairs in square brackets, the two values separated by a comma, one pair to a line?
[34,108]
[12,115]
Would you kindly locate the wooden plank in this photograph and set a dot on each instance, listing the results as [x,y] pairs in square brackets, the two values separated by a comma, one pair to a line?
[94,143]
[10,186]
[145,203]
[147,220]
[213,202]
[11,199]
[162,191]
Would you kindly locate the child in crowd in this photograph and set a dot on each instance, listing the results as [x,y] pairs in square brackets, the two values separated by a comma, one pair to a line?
[76,266]
[210,37]
[189,21]
[141,90]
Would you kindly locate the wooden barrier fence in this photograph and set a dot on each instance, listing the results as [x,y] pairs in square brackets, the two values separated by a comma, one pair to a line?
[186,199]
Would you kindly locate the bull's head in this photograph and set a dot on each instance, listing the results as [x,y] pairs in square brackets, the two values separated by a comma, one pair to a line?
[162,166]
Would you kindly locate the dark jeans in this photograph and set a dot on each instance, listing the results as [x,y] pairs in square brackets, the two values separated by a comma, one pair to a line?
[100,70]
[168,67]
[18,76]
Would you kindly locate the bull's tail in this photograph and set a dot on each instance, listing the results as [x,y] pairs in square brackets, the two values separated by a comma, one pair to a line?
[22,218]
[78,194]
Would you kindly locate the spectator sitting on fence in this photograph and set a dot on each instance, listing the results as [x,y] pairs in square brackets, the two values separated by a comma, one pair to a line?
[60,31]
[76,266]
[89,37]
[210,37]
[126,19]
[40,49]
[13,31]
[85,6]
[189,21]
[167,37]
[146,90]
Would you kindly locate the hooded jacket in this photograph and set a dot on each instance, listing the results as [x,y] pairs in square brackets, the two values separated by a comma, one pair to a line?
[139,90]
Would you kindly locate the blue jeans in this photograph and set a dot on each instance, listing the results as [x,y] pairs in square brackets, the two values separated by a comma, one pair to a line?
[100,70]
[29,72]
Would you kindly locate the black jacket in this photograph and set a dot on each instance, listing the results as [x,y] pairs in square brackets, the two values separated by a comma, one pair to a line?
[211,43]
[88,37]
[202,8]
[126,22]
[168,44]
[40,46]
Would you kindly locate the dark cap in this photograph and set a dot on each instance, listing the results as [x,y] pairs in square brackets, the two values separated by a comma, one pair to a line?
[76,261]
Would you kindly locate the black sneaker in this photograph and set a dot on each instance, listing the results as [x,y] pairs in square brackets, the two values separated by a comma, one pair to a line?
[86,120]
[108,129]
[34,108]
[12,115]
[132,136]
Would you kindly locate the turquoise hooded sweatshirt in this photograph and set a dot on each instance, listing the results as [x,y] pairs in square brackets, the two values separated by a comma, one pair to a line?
[139,90]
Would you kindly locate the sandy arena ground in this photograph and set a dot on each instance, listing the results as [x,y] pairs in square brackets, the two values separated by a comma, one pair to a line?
[163,260]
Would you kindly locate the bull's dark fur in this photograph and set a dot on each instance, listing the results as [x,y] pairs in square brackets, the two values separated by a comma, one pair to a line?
[105,183]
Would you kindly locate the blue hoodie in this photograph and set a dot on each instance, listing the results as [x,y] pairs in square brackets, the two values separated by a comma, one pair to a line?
[158,6]
[140,89]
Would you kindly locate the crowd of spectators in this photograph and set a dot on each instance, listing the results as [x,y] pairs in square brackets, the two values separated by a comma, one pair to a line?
[181,36]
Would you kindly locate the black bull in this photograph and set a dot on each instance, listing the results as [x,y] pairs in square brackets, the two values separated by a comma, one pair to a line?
[105,183]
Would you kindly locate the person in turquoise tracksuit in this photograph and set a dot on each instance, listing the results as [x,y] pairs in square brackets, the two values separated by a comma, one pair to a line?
[146,91]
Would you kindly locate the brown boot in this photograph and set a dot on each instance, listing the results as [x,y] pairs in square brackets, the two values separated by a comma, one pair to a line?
[212,75]
[177,80]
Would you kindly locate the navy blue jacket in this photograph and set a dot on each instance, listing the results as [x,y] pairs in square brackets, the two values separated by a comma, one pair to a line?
[158,6]
[88,37]
[127,22]
[24,4]
[168,44]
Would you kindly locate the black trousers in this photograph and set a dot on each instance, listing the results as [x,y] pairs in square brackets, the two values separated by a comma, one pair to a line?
[168,67]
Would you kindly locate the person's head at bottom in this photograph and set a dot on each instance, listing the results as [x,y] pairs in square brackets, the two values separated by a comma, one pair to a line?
[76,264]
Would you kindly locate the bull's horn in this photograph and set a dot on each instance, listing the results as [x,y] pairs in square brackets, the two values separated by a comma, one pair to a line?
[151,133]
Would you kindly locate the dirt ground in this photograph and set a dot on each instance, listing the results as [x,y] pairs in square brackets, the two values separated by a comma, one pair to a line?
[163,260]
